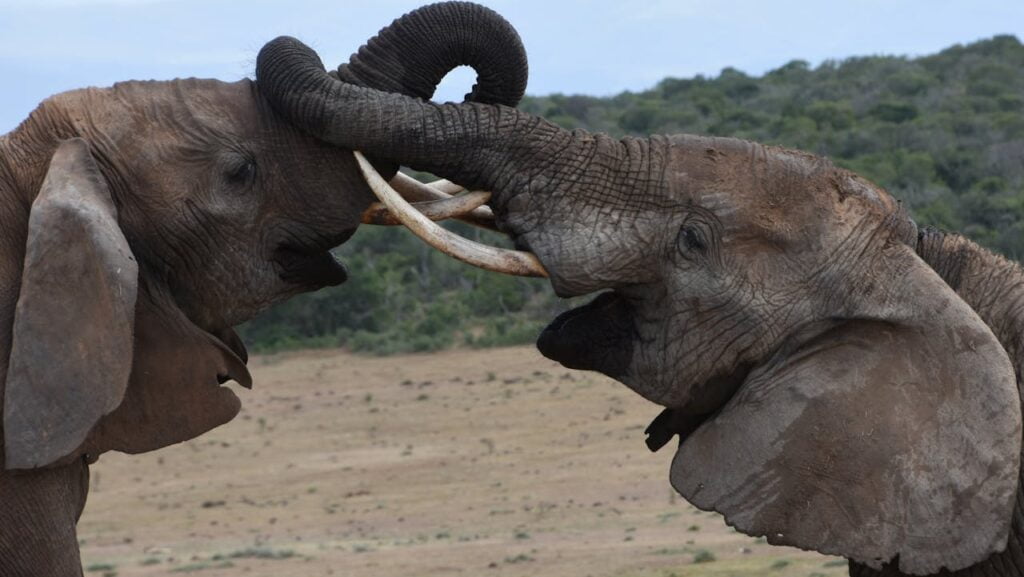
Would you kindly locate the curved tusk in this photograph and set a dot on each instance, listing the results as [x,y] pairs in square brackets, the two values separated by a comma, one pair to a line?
[446,186]
[479,255]
[450,207]
[441,185]
[415,191]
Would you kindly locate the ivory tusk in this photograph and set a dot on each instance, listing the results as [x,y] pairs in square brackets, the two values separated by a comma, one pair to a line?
[479,255]
[446,186]
[413,190]
[453,206]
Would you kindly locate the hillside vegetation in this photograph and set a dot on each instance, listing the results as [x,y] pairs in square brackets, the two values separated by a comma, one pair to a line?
[943,133]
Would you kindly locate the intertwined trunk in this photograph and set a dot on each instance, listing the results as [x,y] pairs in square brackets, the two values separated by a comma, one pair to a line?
[470,143]
[522,159]
[405,62]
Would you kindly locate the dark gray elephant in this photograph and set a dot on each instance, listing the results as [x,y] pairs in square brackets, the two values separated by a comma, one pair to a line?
[840,381]
[140,223]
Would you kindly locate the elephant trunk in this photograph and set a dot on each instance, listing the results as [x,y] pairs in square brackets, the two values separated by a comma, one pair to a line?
[480,146]
[414,53]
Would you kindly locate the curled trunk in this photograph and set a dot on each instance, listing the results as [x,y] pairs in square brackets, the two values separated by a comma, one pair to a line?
[416,51]
[481,146]
[405,60]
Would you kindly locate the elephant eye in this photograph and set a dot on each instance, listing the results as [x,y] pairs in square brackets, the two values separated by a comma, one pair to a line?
[690,239]
[243,173]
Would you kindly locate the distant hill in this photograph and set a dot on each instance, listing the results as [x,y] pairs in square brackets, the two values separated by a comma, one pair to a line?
[943,133]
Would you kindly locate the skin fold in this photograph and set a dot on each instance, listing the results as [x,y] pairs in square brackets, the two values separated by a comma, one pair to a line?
[140,223]
[839,381]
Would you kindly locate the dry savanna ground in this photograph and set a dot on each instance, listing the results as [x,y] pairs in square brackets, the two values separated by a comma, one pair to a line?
[492,463]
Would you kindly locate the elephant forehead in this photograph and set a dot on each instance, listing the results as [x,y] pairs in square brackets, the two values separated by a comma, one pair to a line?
[190,109]
[771,194]
[758,197]
[185,110]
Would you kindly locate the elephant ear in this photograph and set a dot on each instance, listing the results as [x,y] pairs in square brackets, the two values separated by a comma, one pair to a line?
[894,438]
[71,351]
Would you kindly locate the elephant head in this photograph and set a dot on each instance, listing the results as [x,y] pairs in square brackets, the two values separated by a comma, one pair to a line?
[831,391]
[144,220]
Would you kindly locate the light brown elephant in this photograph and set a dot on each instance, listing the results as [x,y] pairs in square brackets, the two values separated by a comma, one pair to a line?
[140,223]
[840,380]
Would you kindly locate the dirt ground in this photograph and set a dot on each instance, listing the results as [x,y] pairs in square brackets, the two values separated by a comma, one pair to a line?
[493,463]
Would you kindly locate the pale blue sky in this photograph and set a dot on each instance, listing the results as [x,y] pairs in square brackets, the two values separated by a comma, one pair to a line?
[575,46]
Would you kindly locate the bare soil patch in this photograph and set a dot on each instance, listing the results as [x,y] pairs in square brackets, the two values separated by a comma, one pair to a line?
[494,462]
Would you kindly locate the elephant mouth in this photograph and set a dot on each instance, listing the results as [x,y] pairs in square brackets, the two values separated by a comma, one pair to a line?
[598,336]
[234,354]
[229,339]
[310,264]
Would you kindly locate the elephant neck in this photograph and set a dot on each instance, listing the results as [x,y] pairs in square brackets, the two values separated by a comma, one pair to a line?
[992,285]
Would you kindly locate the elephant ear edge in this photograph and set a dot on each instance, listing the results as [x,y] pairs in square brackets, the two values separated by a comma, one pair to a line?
[893,439]
[71,352]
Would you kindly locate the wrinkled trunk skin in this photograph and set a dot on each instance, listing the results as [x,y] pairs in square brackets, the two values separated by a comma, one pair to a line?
[413,54]
[994,287]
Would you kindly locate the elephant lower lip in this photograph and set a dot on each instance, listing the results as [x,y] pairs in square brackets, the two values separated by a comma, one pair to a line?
[231,339]
[596,336]
[314,270]
[244,381]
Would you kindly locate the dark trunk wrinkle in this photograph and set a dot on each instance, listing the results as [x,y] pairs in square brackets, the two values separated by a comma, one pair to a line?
[994,287]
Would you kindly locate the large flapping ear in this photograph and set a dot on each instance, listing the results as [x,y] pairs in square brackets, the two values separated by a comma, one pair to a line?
[896,437]
[72,344]
[174,393]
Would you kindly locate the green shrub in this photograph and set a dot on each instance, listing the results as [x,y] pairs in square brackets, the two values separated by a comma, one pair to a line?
[703,556]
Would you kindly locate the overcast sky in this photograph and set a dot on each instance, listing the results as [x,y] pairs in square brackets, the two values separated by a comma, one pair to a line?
[596,47]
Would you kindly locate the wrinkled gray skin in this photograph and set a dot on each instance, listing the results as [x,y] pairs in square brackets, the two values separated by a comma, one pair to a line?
[838,382]
[140,223]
